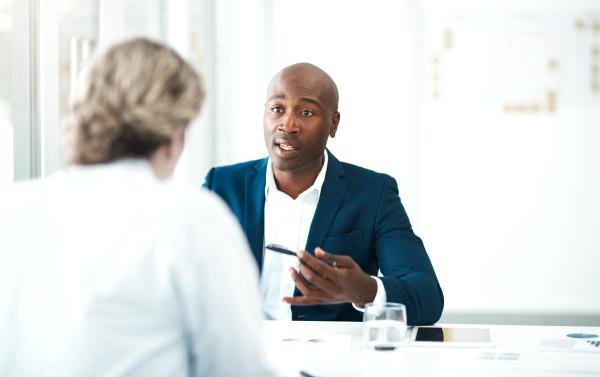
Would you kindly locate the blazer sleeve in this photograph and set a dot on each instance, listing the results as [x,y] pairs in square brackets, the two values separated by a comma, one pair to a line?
[208,180]
[408,275]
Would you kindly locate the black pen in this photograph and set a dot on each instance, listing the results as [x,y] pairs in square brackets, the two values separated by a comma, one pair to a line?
[280,249]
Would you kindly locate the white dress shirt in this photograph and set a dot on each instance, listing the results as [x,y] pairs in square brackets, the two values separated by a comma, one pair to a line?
[287,223]
[106,271]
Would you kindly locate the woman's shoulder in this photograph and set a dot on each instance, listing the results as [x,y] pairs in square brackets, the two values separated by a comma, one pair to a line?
[194,203]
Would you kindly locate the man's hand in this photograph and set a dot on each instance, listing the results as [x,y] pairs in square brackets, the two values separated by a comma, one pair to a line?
[322,283]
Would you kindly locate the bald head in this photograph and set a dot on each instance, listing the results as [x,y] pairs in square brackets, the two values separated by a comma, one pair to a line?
[310,79]
[300,117]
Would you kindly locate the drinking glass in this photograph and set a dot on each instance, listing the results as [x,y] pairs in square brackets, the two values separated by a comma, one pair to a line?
[384,326]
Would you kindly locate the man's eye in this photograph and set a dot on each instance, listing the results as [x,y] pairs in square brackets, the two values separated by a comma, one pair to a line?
[276,109]
[307,113]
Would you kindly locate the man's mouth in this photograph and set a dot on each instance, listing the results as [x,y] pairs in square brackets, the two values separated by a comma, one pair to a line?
[286,147]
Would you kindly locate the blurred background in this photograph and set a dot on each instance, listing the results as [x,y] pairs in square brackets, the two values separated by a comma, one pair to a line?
[487,113]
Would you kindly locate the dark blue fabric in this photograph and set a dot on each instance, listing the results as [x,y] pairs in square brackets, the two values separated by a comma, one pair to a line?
[359,214]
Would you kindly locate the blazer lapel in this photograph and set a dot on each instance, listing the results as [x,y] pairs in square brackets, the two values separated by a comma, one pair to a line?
[332,194]
[254,210]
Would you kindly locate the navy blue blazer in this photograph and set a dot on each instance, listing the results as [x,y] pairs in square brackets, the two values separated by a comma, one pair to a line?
[359,214]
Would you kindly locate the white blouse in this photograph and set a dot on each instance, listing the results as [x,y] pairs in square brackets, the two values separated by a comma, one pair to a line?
[106,271]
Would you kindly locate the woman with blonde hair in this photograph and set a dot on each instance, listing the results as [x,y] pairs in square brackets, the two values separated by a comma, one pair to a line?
[108,270]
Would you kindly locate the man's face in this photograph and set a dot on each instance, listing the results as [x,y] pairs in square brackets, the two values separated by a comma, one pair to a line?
[299,118]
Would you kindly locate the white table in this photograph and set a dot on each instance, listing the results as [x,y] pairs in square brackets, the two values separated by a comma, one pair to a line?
[336,349]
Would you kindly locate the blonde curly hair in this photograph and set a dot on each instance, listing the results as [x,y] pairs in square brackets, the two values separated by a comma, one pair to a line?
[129,101]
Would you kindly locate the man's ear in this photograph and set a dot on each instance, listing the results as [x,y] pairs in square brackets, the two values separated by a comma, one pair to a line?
[334,124]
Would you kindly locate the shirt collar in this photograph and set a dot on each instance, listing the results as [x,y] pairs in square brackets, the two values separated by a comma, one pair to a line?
[317,185]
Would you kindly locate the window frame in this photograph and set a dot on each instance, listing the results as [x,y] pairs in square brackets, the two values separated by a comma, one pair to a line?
[24,90]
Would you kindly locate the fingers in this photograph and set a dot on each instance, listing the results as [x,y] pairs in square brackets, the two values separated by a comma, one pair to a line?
[317,280]
[320,267]
[340,260]
[304,300]
[313,293]
[301,283]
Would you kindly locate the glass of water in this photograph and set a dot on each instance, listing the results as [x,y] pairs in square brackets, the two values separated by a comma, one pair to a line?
[384,326]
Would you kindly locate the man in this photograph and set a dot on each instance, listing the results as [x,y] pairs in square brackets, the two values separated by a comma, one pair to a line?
[347,222]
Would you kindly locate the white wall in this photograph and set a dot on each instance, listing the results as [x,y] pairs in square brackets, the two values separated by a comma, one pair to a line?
[509,201]
[241,61]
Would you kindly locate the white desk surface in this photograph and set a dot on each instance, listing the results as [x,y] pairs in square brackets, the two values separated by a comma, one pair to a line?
[339,351]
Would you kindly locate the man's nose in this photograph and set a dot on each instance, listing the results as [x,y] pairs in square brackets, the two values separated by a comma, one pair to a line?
[288,125]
